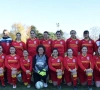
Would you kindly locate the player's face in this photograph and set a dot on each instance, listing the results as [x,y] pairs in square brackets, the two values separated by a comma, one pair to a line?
[99,50]
[12,50]
[45,35]
[40,51]
[55,53]
[73,34]
[70,52]
[58,35]
[25,53]
[86,35]
[1,49]
[18,36]
[84,50]
[32,34]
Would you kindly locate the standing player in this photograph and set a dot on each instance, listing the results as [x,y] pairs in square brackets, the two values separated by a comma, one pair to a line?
[97,68]
[56,68]
[47,43]
[59,44]
[19,45]
[85,70]
[71,66]
[26,65]
[6,41]
[88,42]
[32,43]
[12,62]
[73,43]
[2,66]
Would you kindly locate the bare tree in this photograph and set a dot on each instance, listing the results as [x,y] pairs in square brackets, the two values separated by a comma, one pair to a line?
[94,32]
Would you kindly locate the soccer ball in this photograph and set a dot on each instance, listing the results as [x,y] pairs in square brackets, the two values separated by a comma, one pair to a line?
[39,85]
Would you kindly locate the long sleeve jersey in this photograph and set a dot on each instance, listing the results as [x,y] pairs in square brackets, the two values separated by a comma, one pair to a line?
[55,63]
[2,60]
[26,64]
[31,45]
[20,46]
[74,44]
[12,61]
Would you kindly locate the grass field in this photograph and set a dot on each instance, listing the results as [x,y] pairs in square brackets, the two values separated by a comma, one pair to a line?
[20,86]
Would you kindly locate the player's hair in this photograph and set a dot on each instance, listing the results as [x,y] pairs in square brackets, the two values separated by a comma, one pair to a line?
[4,30]
[40,46]
[55,49]
[46,32]
[84,46]
[17,34]
[13,47]
[87,32]
[59,31]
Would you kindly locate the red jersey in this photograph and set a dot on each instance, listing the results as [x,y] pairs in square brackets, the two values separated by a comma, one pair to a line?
[12,61]
[89,44]
[70,63]
[96,60]
[20,46]
[26,64]
[48,46]
[31,45]
[60,45]
[2,60]
[85,62]
[55,63]
[74,44]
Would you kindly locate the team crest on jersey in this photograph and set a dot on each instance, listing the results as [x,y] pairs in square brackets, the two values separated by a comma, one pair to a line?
[49,42]
[73,60]
[58,60]
[28,60]
[15,57]
[88,58]
[61,42]
[20,44]
[89,41]
[3,57]
[34,42]
[76,42]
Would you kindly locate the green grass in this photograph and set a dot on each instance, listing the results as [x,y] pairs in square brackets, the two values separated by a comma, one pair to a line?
[20,86]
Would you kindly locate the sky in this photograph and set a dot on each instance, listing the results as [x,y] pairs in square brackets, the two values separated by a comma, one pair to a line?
[79,15]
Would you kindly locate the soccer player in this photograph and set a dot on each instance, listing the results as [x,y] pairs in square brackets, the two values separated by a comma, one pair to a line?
[40,66]
[6,41]
[12,62]
[56,68]
[19,45]
[2,66]
[88,42]
[32,43]
[85,70]
[96,74]
[71,66]
[47,43]
[73,43]
[59,44]
[26,66]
